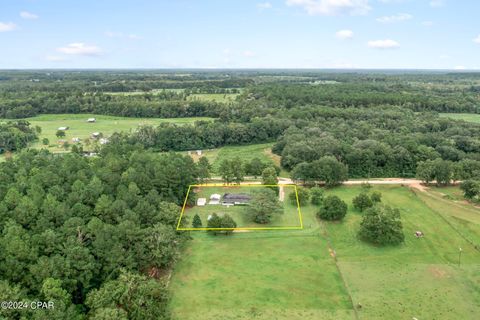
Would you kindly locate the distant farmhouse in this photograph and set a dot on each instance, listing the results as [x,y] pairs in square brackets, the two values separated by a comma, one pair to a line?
[91,120]
[236,199]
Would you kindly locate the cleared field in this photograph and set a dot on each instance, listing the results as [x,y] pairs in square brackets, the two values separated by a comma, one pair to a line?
[420,278]
[216,97]
[292,275]
[241,214]
[246,153]
[470,117]
[463,216]
[79,128]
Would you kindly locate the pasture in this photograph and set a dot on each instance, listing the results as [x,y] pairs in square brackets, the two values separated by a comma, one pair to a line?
[469,117]
[79,128]
[293,275]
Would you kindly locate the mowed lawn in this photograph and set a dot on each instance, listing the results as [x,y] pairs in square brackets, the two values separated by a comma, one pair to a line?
[79,128]
[240,214]
[291,274]
[470,117]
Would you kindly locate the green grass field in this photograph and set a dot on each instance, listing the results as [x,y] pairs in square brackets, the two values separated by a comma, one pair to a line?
[81,129]
[293,275]
[246,153]
[470,117]
[216,97]
[240,214]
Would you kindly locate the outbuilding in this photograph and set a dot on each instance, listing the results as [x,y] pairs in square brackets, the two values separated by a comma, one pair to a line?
[201,202]
[91,120]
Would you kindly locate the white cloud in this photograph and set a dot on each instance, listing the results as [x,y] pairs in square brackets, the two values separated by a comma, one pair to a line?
[459,68]
[28,15]
[395,18]
[264,5]
[477,39]
[344,34]
[7,26]
[81,49]
[134,37]
[248,53]
[437,3]
[383,44]
[55,58]
[130,36]
[332,7]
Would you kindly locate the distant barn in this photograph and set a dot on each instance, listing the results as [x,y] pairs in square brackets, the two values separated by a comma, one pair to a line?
[236,199]
[91,120]
[63,128]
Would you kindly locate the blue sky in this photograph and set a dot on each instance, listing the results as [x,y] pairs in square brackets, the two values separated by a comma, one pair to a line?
[421,34]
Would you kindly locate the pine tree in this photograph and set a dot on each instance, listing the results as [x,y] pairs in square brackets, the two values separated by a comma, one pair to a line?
[197,222]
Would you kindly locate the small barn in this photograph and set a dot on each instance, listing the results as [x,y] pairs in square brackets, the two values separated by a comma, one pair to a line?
[236,199]
[91,120]
[63,128]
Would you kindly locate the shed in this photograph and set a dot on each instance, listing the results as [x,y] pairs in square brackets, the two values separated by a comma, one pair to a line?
[62,128]
[91,120]
[201,202]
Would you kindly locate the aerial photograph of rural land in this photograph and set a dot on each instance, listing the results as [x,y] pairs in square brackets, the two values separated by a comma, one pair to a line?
[239,160]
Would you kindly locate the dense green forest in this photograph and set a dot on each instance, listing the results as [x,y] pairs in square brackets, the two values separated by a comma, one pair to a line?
[16,135]
[72,228]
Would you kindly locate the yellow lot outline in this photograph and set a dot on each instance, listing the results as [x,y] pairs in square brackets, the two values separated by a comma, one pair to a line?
[300,227]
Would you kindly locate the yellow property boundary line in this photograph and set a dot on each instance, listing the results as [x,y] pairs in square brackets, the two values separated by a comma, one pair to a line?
[300,227]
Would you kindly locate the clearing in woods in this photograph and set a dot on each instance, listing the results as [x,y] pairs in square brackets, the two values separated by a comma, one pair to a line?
[289,219]
[80,128]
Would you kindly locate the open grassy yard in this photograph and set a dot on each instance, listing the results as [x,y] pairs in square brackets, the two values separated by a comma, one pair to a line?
[470,117]
[241,214]
[292,274]
[78,127]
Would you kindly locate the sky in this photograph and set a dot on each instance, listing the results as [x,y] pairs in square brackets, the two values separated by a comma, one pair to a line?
[363,34]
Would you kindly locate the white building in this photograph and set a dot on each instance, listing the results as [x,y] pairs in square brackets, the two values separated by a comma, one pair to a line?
[201,202]
[91,120]
[62,128]
[215,199]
